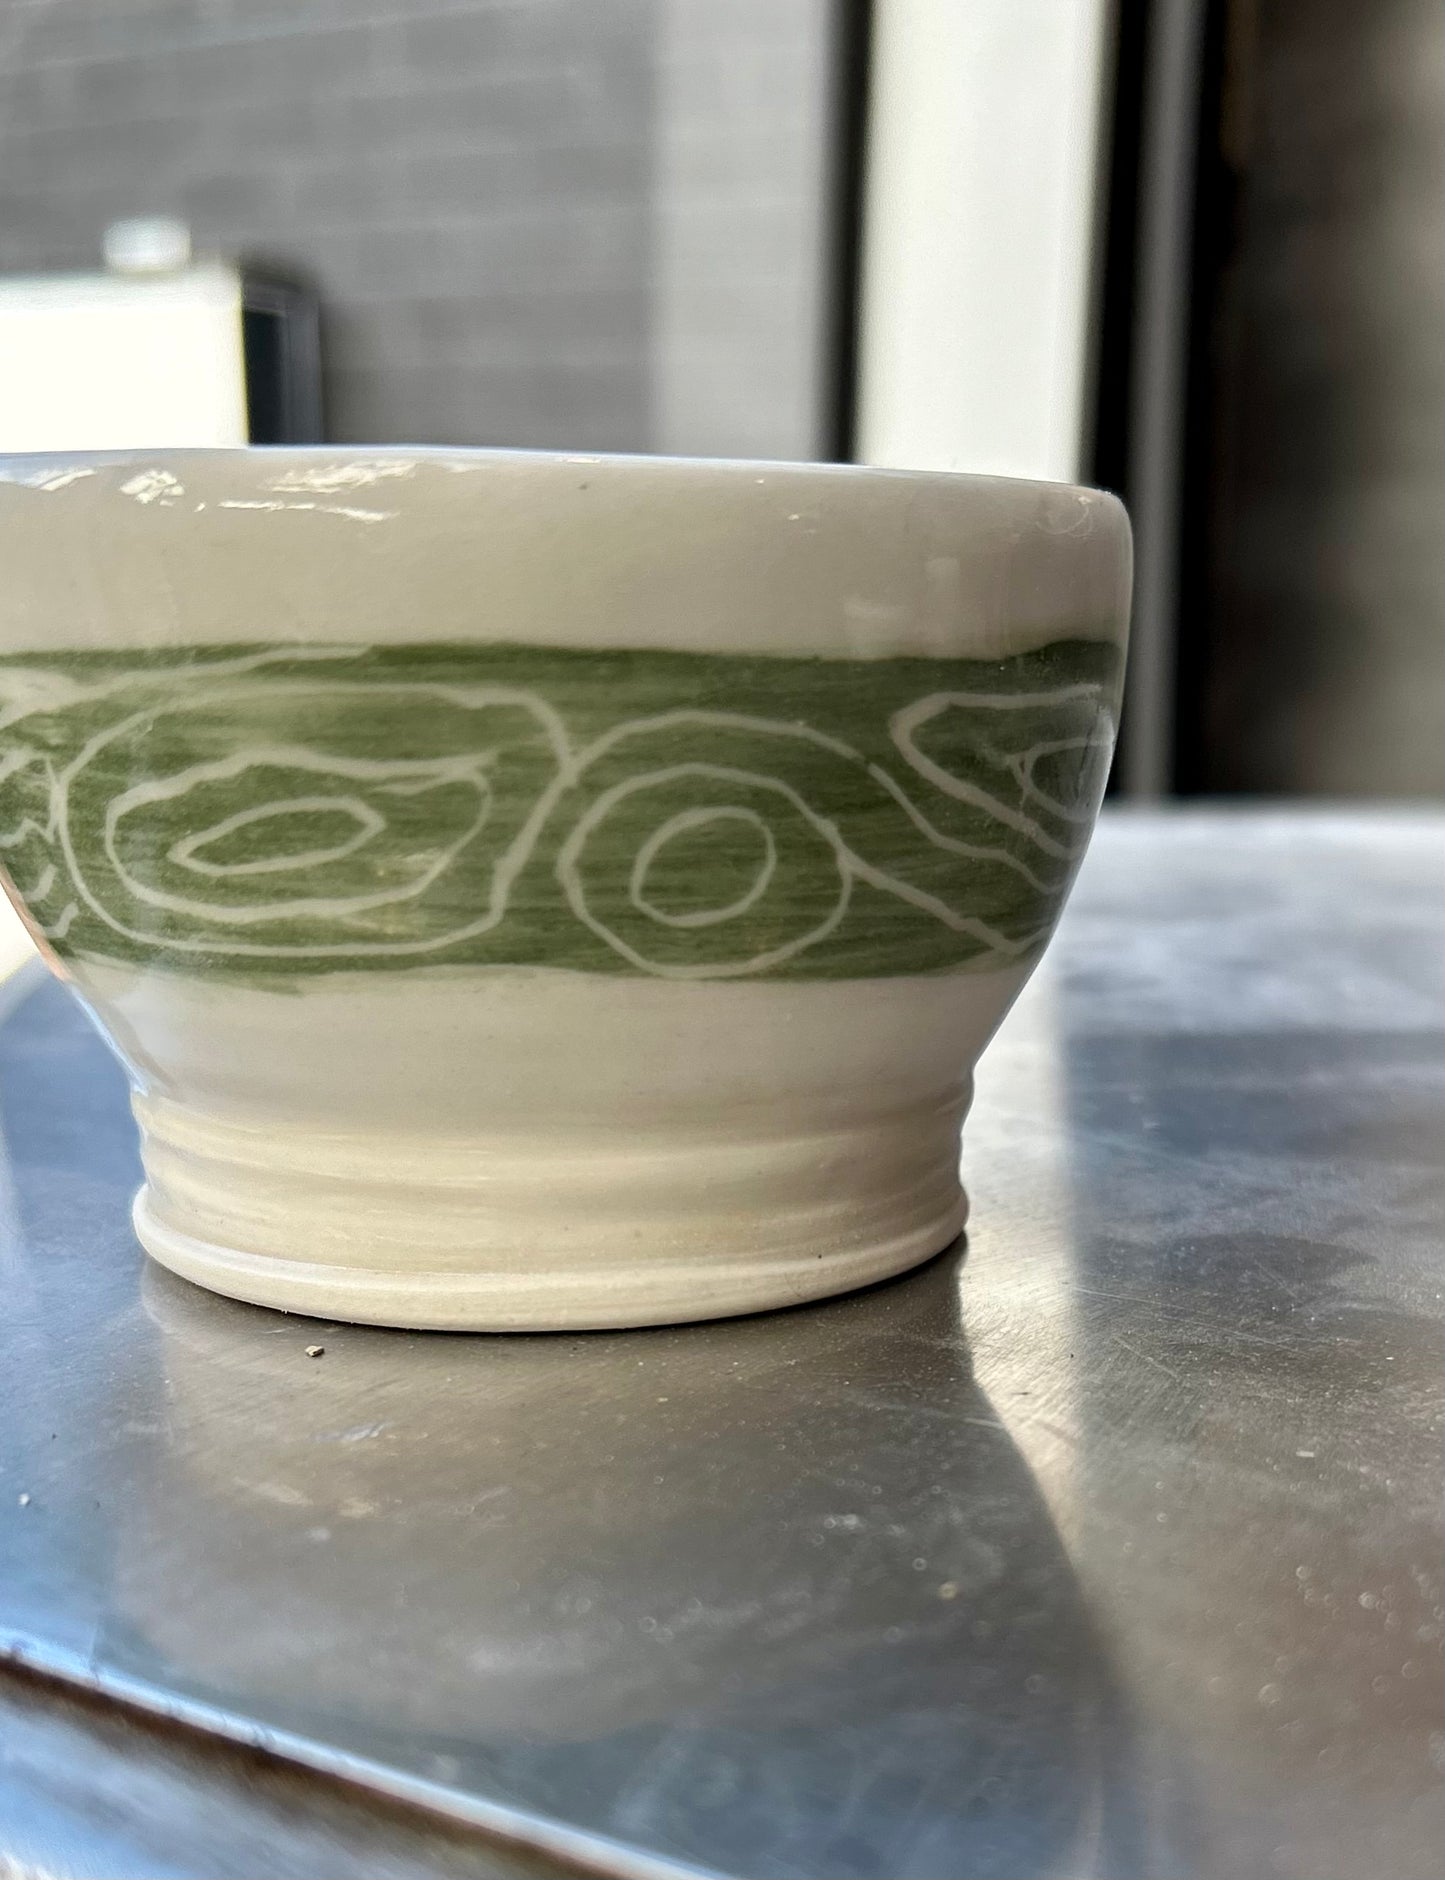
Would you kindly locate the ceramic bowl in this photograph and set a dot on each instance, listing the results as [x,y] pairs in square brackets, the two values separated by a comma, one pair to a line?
[545,891]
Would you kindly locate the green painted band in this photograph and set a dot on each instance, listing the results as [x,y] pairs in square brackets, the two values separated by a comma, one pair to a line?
[261,811]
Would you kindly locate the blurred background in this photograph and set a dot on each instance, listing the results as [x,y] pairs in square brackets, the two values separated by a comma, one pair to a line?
[1193,250]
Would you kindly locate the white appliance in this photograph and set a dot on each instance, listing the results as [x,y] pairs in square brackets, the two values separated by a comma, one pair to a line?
[156,350]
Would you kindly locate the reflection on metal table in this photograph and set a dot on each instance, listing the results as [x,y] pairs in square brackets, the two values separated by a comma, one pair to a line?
[1109,1545]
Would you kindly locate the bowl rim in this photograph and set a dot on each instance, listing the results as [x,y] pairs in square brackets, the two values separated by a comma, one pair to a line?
[15,466]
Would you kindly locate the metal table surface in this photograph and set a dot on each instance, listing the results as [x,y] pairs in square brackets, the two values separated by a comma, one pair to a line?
[1109,1545]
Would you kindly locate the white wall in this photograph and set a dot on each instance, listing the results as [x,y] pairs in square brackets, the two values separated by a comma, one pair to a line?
[980,232]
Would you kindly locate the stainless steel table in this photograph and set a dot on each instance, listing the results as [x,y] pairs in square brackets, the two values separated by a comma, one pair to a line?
[1108,1545]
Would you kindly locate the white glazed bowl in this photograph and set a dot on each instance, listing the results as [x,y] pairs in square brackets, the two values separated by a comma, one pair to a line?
[547,891]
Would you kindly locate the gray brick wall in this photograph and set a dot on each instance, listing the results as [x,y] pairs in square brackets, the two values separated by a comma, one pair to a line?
[740,245]
[590,223]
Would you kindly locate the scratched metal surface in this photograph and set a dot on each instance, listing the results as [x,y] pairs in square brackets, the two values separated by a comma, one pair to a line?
[1110,1548]
[92,1790]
